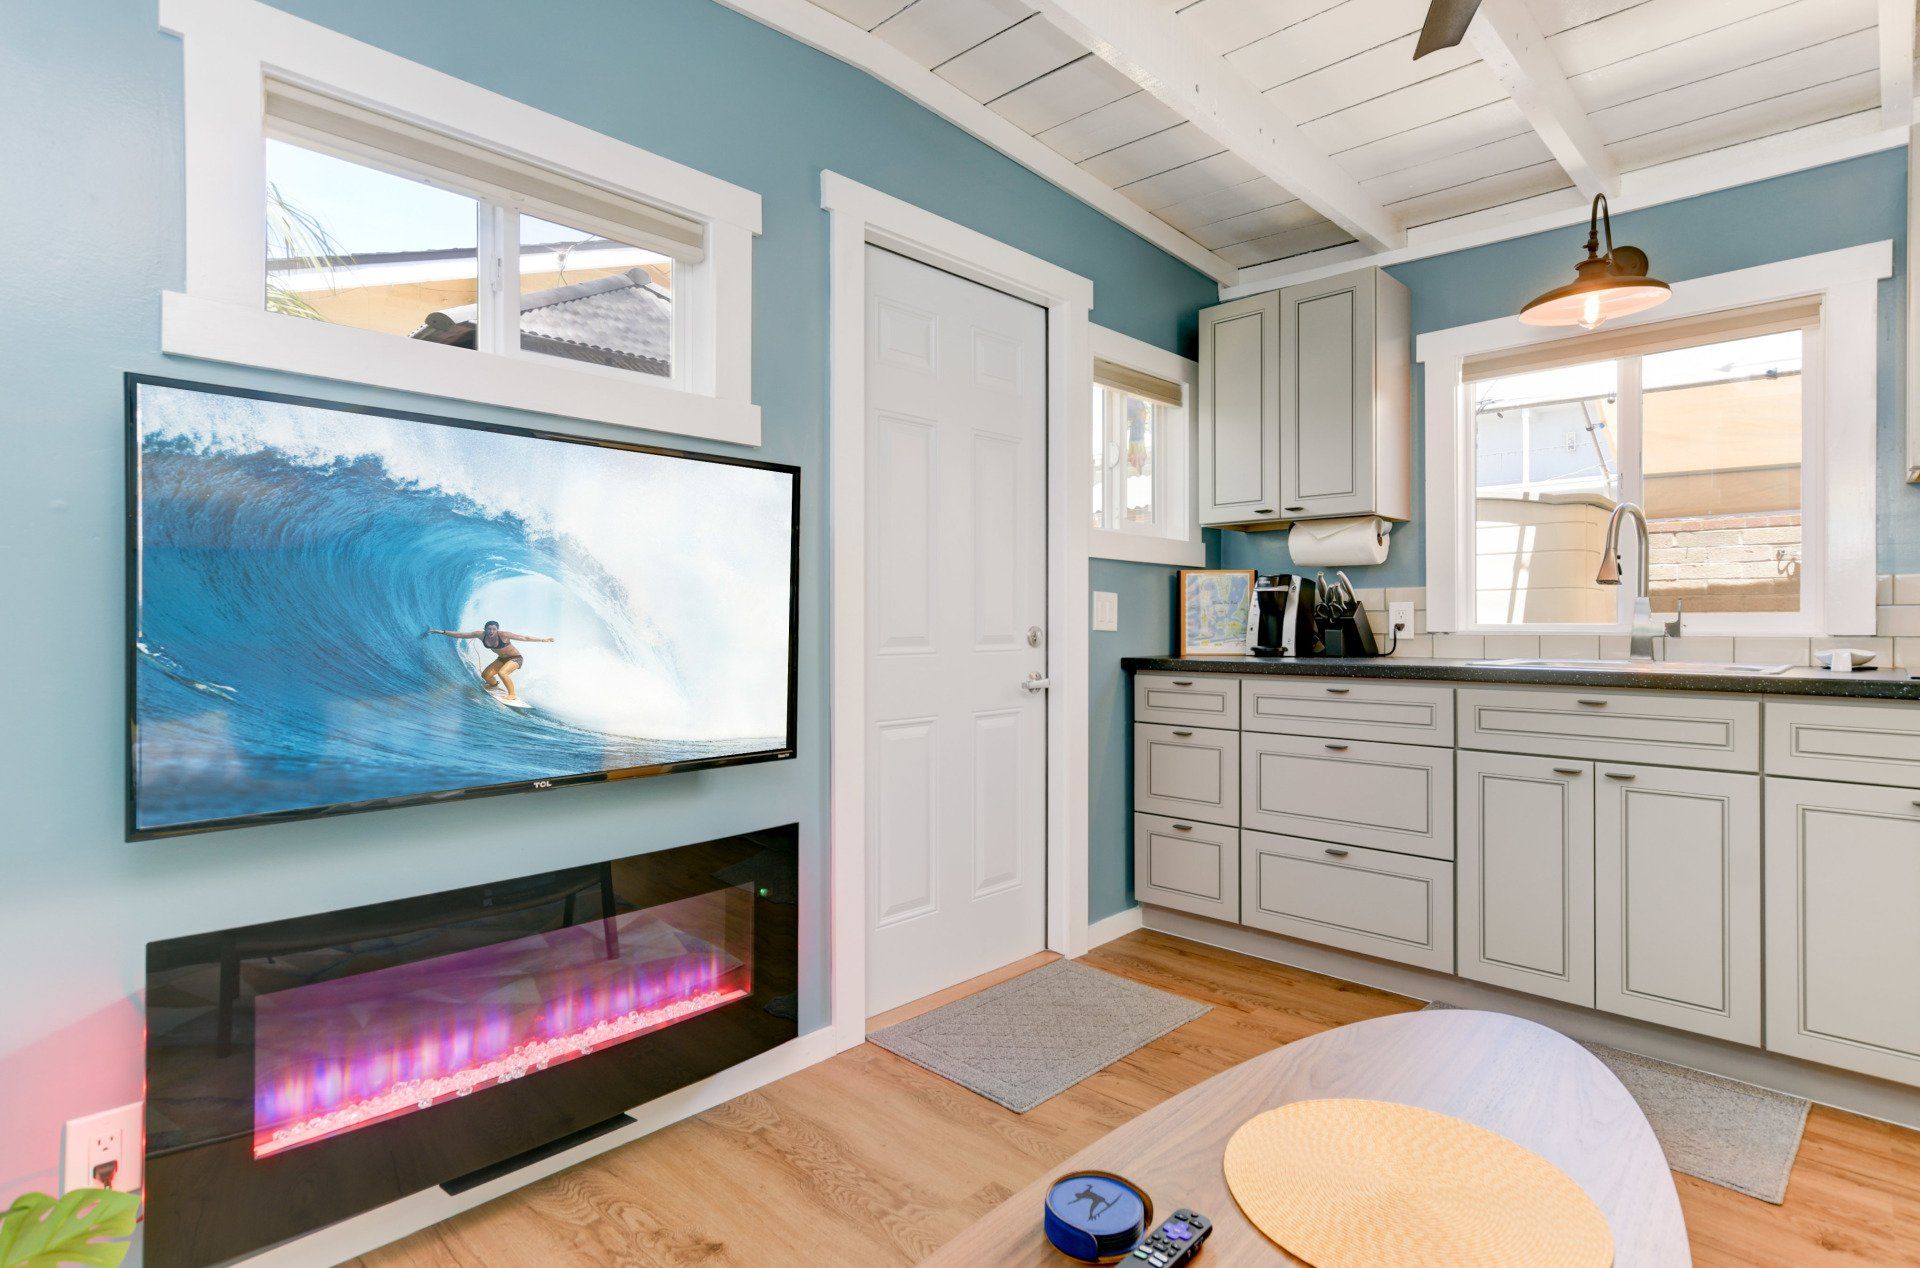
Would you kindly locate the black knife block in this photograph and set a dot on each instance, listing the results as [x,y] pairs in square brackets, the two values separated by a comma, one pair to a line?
[1349,636]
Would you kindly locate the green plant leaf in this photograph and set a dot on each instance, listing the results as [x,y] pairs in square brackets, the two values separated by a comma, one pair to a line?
[38,1231]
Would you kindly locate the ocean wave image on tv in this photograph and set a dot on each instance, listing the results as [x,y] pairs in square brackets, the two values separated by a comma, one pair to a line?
[336,607]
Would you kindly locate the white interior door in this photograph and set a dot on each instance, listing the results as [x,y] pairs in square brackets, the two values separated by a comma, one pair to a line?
[956,611]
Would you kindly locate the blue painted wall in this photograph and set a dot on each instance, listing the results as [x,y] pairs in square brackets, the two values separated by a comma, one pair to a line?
[1842,205]
[91,225]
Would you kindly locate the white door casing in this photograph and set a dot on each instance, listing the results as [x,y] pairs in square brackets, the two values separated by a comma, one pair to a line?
[956,612]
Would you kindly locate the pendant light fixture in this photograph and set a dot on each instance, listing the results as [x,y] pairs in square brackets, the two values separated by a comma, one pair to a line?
[1604,286]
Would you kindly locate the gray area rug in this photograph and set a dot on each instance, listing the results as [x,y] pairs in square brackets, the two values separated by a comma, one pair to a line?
[1725,1132]
[1036,1035]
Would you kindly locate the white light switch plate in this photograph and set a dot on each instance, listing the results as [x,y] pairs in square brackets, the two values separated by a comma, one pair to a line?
[1106,610]
[115,1135]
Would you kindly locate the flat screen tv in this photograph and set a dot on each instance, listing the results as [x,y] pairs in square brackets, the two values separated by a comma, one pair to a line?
[336,608]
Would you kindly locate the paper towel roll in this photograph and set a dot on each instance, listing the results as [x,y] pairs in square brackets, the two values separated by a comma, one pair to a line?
[1340,543]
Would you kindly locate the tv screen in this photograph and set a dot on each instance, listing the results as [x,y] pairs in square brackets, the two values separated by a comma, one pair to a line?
[336,608]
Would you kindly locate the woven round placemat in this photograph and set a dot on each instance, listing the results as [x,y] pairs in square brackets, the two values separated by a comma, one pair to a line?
[1343,1183]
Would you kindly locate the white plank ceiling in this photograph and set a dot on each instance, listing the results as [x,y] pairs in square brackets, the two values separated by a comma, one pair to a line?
[1657,80]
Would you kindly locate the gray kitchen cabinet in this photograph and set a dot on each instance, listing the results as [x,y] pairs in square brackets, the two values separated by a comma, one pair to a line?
[1240,411]
[1187,773]
[1385,796]
[1187,865]
[1862,742]
[1677,898]
[1843,946]
[1345,398]
[1525,873]
[1370,901]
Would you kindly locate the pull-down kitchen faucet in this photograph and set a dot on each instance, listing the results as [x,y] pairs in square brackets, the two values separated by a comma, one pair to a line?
[1645,628]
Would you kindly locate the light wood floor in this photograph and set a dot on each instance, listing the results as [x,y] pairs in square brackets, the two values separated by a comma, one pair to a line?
[866,1159]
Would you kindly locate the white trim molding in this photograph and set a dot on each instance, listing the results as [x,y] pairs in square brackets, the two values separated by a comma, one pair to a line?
[231,48]
[1847,283]
[1512,45]
[817,28]
[858,217]
[1118,925]
[1185,548]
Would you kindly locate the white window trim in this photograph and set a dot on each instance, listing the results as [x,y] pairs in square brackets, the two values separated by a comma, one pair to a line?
[1844,360]
[1178,479]
[230,49]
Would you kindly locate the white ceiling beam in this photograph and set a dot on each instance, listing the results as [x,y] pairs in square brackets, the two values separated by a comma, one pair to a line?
[1145,41]
[811,25]
[1896,62]
[1763,158]
[1512,45]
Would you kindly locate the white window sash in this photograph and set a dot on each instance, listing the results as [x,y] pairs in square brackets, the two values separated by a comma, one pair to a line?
[1174,536]
[1840,386]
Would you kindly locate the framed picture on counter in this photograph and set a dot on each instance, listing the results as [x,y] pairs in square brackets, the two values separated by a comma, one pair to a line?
[1216,611]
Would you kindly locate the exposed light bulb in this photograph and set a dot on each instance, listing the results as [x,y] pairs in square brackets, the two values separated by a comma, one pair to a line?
[1590,312]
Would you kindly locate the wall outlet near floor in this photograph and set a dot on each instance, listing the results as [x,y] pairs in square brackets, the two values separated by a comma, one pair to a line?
[1400,615]
[1106,610]
[103,1151]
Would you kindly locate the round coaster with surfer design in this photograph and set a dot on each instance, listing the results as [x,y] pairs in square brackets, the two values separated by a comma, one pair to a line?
[1346,1183]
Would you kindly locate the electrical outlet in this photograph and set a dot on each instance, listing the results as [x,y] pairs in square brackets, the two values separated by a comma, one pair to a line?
[103,1151]
[1400,615]
[1106,610]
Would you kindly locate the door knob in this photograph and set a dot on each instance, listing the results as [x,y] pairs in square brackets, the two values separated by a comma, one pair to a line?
[1036,681]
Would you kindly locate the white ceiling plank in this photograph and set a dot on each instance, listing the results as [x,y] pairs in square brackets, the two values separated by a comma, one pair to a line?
[1380,71]
[1464,88]
[1510,42]
[1637,31]
[816,27]
[1018,55]
[865,14]
[1144,40]
[1135,115]
[1454,171]
[1832,141]
[1896,62]
[931,31]
[1782,113]
[1189,214]
[1318,236]
[1256,224]
[1067,93]
[1226,25]
[1341,35]
[1225,169]
[1159,152]
[1495,190]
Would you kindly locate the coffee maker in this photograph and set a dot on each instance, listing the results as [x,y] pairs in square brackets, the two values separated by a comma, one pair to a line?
[1287,626]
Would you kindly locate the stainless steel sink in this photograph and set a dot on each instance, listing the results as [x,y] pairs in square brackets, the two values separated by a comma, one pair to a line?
[1636,666]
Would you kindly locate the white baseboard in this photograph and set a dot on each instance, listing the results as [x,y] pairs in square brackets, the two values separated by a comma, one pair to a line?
[350,1238]
[1118,925]
[1841,1089]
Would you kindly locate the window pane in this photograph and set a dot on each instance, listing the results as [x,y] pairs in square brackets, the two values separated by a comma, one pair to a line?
[360,247]
[1099,456]
[1138,416]
[1722,449]
[1546,476]
[589,298]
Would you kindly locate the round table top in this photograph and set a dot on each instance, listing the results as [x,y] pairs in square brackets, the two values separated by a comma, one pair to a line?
[1528,1083]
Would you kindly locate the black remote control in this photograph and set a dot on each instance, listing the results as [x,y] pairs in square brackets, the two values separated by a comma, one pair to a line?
[1174,1243]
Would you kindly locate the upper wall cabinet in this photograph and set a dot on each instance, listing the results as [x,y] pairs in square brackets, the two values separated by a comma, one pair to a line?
[1305,403]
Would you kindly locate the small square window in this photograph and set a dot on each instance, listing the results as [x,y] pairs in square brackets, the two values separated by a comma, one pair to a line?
[592,298]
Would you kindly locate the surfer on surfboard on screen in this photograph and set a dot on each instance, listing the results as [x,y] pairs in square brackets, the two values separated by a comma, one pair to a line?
[506,658]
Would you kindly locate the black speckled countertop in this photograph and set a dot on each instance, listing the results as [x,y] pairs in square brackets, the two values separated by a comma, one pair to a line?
[1870,684]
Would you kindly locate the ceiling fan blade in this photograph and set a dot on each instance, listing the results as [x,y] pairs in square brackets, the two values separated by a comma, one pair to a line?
[1446,25]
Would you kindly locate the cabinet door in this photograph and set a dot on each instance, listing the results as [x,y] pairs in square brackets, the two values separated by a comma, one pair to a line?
[1677,898]
[1326,397]
[1187,865]
[1526,874]
[1395,797]
[1370,901]
[1843,944]
[1187,773]
[1240,411]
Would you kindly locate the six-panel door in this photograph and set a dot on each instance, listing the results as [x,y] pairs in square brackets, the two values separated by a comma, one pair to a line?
[1843,925]
[1526,874]
[1677,898]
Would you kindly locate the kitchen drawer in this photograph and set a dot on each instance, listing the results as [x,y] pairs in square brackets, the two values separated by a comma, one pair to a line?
[1654,728]
[1187,773]
[1388,905]
[1187,699]
[1352,710]
[1864,743]
[1384,796]
[1187,865]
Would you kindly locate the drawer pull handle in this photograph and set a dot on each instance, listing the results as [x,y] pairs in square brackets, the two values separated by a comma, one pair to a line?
[1622,775]
[1568,770]
[1338,748]
[1296,508]
[1183,827]
[1591,703]
[1339,854]
[1338,691]
[1263,510]
[1184,734]
[1183,682]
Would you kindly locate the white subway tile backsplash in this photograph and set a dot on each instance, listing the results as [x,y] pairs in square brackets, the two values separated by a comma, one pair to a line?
[1900,621]
[1696,648]
[1906,588]
[1906,653]
[1414,645]
[1570,646]
[1771,651]
[1459,646]
[1883,590]
[1882,648]
[1513,645]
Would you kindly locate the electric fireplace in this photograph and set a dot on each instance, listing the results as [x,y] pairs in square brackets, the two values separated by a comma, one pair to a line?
[306,1070]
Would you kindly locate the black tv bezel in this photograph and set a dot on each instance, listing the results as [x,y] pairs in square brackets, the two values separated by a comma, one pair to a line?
[135,832]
